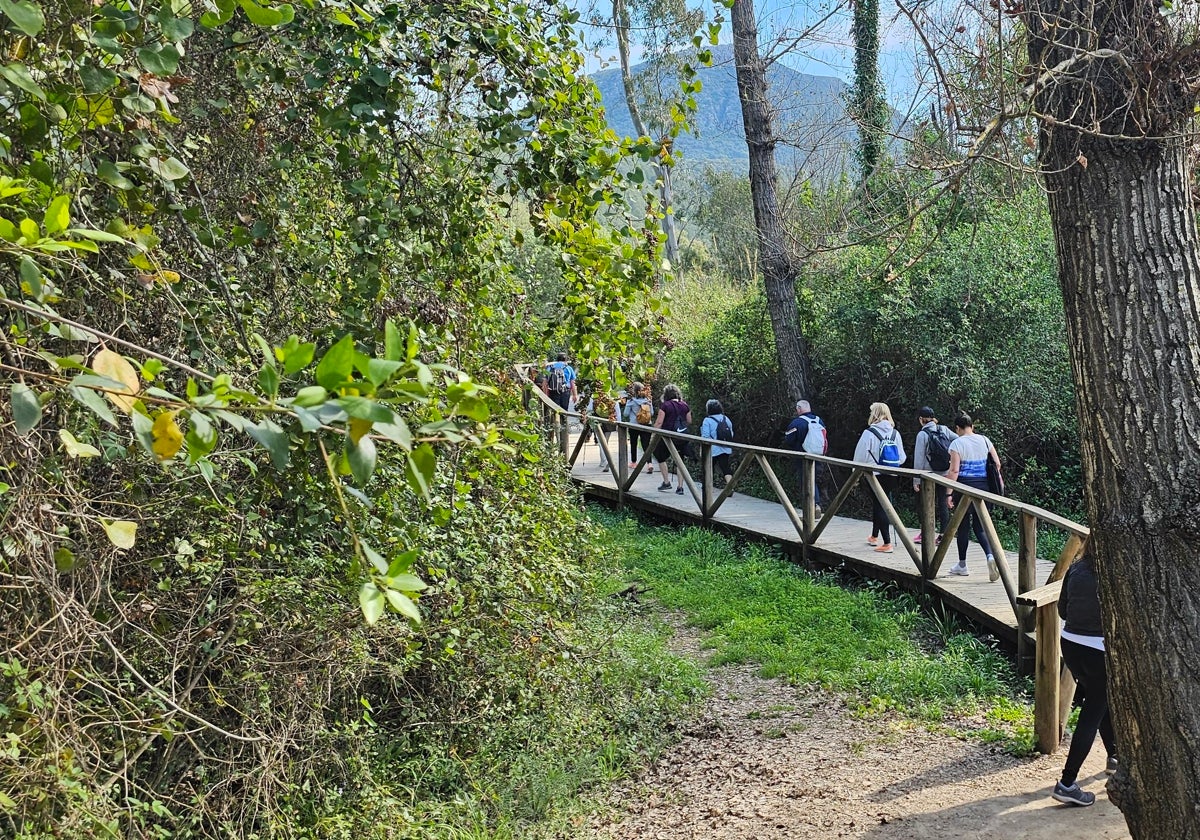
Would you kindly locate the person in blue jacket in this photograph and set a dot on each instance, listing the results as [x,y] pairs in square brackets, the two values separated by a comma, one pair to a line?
[714,420]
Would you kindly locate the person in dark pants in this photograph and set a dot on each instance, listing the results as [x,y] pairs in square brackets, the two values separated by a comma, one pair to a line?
[969,455]
[879,442]
[1083,651]
[560,382]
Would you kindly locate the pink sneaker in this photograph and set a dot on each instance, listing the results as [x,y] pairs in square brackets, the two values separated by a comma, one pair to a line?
[917,539]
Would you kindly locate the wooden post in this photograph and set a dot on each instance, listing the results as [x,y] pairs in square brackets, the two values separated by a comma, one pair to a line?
[564,434]
[706,502]
[773,480]
[1026,580]
[1051,692]
[1047,728]
[622,464]
[810,501]
[929,532]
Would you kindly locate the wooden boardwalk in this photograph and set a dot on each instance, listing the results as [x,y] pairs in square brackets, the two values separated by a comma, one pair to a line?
[842,542]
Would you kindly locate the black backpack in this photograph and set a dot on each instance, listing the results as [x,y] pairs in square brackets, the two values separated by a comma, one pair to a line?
[724,430]
[937,448]
[556,382]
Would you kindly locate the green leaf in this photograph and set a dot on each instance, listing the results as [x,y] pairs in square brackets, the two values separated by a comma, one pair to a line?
[18,74]
[371,600]
[26,410]
[419,469]
[474,408]
[396,431]
[274,440]
[201,437]
[29,229]
[74,448]
[333,371]
[31,277]
[362,457]
[171,169]
[297,356]
[96,80]
[402,604]
[111,175]
[268,381]
[58,215]
[380,370]
[266,15]
[26,15]
[375,558]
[310,396]
[365,409]
[94,402]
[143,431]
[120,533]
[406,583]
[225,9]
[393,342]
[64,560]
[161,60]
[401,563]
[99,235]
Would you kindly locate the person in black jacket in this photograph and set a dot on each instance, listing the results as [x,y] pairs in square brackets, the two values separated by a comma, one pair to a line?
[1083,651]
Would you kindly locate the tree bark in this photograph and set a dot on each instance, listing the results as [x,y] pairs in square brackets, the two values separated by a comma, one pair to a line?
[1113,155]
[779,271]
[662,173]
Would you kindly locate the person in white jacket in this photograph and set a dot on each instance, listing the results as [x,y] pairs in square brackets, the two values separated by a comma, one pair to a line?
[881,444]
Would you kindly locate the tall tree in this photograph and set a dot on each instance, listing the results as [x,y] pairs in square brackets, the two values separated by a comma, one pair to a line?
[668,21]
[1116,85]
[867,105]
[778,267]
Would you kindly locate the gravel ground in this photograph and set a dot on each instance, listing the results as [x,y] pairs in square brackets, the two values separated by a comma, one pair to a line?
[766,760]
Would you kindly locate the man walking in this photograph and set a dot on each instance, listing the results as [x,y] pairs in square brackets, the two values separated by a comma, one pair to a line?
[560,382]
[932,453]
[806,433]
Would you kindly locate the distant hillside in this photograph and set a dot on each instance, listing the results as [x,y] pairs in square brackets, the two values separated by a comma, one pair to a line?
[811,117]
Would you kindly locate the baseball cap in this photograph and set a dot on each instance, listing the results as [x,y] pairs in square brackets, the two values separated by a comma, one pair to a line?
[926,411]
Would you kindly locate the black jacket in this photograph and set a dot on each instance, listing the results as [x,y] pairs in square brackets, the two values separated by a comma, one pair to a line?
[1079,600]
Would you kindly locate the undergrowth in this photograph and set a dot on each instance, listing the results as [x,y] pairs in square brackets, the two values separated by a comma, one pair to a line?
[883,653]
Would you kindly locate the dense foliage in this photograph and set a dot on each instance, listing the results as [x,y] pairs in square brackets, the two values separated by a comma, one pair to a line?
[962,315]
[251,247]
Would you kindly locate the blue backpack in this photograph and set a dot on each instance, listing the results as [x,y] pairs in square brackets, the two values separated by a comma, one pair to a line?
[889,452]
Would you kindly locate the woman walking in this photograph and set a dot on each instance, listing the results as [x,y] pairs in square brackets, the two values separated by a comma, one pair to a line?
[638,411]
[674,415]
[716,426]
[969,456]
[1083,651]
[881,444]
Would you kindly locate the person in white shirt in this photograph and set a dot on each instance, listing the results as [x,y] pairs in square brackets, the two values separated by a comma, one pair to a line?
[969,454]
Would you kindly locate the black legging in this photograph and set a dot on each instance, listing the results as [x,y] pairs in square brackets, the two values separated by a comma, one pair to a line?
[1088,667]
[636,435]
[879,519]
[971,523]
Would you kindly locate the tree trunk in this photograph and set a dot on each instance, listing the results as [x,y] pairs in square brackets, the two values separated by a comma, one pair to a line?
[869,108]
[779,273]
[1113,155]
[662,172]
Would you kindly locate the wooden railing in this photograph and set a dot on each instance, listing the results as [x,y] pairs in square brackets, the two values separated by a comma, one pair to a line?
[1054,686]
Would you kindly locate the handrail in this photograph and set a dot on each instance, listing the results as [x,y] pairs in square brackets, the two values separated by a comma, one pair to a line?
[1034,606]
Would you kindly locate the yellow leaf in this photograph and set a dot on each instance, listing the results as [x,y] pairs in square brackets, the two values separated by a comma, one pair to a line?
[115,367]
[167,438]
[358,428]
[120,532]
[74,448]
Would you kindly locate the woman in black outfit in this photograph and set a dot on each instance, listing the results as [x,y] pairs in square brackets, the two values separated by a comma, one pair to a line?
[1083,651]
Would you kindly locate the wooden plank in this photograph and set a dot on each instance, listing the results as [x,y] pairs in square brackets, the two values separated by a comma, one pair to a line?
[1041,596]
[681,468]
[809,468]
[928,524]
[579,442]
[998,554]
[706,501]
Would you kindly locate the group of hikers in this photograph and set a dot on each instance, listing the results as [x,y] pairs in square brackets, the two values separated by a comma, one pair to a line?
[959,454]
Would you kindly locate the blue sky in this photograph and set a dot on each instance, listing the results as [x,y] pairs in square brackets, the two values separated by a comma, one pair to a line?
[829,53]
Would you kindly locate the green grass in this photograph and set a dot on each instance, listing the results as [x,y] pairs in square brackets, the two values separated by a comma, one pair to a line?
[882,653]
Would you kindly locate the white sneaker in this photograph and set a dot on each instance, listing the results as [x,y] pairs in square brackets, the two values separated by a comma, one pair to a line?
[957,569]
[993,569]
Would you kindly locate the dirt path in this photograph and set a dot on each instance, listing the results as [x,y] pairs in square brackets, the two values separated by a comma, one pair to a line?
[768,761]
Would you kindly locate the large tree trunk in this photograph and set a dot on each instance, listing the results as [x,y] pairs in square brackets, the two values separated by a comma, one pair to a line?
[662,172]
[1113,154]
[779,272]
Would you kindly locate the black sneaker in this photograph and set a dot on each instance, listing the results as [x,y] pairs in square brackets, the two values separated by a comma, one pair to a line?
[679,490]
[665,486]
[1073,795]
[1111,766]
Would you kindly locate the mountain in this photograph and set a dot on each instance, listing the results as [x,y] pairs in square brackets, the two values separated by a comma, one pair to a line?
[816,134]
